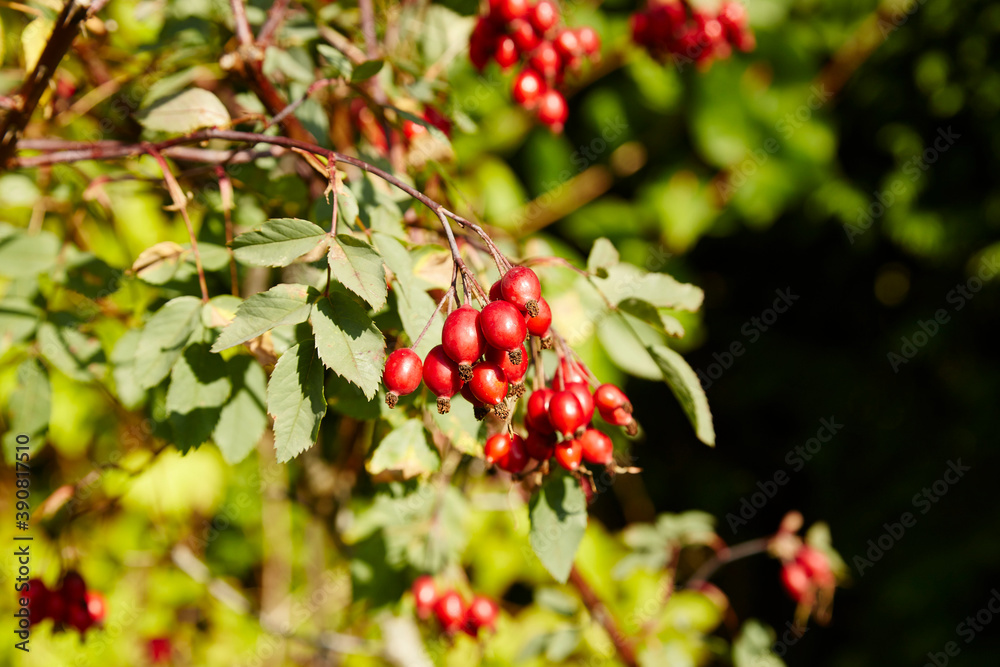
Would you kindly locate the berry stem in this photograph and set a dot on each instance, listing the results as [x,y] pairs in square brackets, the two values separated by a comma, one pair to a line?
[724,556]
[600,613]
[440,305]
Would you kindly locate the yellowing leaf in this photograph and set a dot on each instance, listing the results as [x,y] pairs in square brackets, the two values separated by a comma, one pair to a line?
[33,41]
[190,110]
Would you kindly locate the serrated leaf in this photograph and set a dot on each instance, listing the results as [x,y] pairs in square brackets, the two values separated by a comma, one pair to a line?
[686,386]
[157,264]
[602,256]
[404,452]
[625,281]
[366,70]
[25,256]
[359,268]
[348,341]
[295,400]
[76,354]
[277,242]
[558,514]
[752,648]
[164,338]
[184,112]
[198,380]
[243,418]
[287,303]
[339,64]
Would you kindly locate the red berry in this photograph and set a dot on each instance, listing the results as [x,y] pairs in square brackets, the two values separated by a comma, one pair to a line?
[597,447]
[488,383]
[97,606]
[816,564]
[641,29]
[424,595]
[589,40]
[540,323]
[401,376]
[506,53]
[159,649]
[520,287]
[450,610]
[567,44]
[528,87]
[78,618]
[482,43]
[546,60]
[538,411]
[462,338]
[539,447]
[438,120]
[503,325]
[553,110]
[74,588]
[497,448]
[566,413]
[56,607]
[608,397]
[468,395]
[796,581]
[482,613]
[544,15]
[508,10]
[582,393]
[37,595]
[569,371]
[517,458]
[495,293]
[411,129]
[569,454]
[524,36]
[616,417]
[442,377]
[514,372]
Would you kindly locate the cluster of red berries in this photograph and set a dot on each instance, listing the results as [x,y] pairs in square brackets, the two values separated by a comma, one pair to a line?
[558,422]
[808,572]
[515,31]
[451,610]
[71,604]
[674,28]
[482,353]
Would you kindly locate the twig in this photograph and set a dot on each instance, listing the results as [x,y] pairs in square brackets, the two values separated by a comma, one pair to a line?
[180,202]
[226,193]
[342,44]
[275,16]
[65,30]
[601,614]
[243,33]
[292,106]
[724,556]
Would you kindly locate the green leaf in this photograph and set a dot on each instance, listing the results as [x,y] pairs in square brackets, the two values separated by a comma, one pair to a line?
[602,256]
[18,320]
[558,520]
[25,256]
[184,112]
[348,399]
[30,409]
[359,268]
[220,311]
[404,452]
[76,354]
[625,281]
[686,386]
[414,304]
[366,70]
[348,341]
[461,427]
[198,380]
[287,303]
[277,242]
[339,64]
[164,338]
[295,400]
[752,648]
[123,359]
[653,316]
[243,419]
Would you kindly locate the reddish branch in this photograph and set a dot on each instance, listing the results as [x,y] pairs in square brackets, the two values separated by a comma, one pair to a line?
[601,614]
[23,103]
